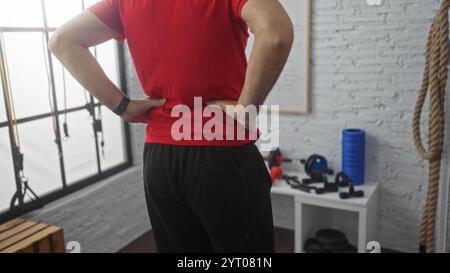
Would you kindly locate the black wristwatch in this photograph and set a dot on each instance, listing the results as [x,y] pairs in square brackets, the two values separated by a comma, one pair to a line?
[122,106]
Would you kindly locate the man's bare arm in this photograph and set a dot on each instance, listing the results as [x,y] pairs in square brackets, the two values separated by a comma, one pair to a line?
[274,36]
[70,44]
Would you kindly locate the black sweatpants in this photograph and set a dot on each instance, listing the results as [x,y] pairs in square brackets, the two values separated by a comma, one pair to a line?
[208,199]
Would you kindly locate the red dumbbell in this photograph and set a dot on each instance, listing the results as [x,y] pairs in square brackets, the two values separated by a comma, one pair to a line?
[275,158]
[276,173]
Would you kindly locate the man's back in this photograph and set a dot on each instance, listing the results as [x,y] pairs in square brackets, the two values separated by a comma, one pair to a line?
[181,49]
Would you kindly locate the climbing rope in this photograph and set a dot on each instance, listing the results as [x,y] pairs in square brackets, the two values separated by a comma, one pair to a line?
[433,84]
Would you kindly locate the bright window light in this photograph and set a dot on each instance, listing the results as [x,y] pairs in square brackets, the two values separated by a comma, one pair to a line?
[21,13]
[60,11]
[34,86]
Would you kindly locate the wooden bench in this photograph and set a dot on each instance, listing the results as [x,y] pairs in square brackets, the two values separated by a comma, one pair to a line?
[24,236]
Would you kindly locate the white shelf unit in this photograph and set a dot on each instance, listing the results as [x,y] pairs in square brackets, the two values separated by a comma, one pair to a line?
[308,207]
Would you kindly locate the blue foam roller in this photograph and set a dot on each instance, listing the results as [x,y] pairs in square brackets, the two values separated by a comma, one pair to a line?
[353,154]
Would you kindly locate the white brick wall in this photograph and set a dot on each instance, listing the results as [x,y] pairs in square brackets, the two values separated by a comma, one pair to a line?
[367,66]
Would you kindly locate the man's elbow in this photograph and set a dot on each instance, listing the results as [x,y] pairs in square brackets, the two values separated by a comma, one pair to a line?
[281,37]
[58,43]
[284,40]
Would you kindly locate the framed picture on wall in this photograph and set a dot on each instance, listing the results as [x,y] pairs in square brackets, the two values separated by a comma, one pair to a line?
[293,89]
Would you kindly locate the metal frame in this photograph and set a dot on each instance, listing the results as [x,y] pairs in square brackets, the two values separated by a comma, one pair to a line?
[67,189]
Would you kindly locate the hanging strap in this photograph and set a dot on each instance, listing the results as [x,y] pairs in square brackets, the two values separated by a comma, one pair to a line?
[6,87]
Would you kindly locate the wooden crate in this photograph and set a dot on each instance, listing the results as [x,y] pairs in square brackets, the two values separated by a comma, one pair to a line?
[23,236]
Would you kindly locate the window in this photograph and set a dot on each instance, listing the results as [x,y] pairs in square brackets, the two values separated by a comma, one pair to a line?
[43,102]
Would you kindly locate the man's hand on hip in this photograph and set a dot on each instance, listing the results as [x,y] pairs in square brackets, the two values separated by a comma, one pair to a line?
[137,111]
[235,110]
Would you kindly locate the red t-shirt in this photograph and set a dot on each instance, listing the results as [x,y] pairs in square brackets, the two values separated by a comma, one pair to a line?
[182,49]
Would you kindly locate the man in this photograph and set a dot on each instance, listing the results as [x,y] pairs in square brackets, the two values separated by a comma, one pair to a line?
[202,195]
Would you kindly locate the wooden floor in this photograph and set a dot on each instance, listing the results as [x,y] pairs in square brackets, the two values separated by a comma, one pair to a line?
[284,243]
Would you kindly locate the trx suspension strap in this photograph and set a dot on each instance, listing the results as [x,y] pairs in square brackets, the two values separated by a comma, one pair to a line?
[65,125]
[22,186]
[97,117]
[433,84]
[98,121]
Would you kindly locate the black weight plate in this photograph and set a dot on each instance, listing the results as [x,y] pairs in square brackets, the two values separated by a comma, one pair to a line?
[348,249]
[336,247]
[313,246]
[331,237]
